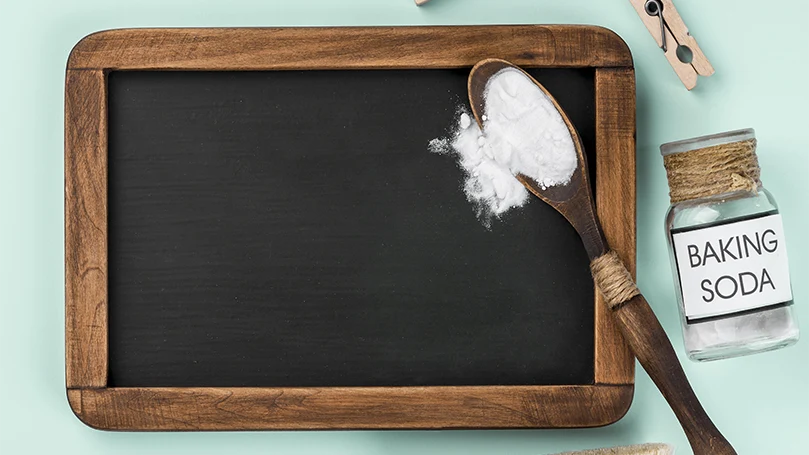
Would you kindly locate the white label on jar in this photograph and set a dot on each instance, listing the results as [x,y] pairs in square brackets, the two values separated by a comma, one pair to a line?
[732,267]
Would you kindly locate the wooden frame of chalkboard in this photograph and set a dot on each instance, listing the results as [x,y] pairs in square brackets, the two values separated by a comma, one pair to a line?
[256,408]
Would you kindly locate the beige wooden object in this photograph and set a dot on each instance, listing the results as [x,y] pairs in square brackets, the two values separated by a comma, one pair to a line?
[421,2]
[677,34]
[643,449]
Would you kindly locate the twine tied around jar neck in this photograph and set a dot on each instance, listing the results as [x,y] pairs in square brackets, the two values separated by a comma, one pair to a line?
[709,171]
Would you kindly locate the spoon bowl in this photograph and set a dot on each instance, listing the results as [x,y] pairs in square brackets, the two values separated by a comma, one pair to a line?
[574,199]
[478,80]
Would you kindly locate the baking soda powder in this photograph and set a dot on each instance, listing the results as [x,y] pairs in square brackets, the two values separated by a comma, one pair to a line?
[523,133]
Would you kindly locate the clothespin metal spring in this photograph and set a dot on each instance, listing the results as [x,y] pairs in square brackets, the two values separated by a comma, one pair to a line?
[681,49]
[655,8]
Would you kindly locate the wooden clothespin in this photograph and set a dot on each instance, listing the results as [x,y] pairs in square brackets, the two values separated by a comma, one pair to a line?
[670,32]
[421,2]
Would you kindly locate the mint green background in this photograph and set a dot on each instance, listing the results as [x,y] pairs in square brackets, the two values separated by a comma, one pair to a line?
[760,51]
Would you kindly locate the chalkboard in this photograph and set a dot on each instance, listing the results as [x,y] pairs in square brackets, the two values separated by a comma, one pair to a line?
[292,229]
[258,238]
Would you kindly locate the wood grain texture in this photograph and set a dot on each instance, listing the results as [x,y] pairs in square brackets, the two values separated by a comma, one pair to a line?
[349,47]
[86,229]
[649,342]
[685,71]
[328,48]
[676,34]
[615,190]
[350,408]
[683,36]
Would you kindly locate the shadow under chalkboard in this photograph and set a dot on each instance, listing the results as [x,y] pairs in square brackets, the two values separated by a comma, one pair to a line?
[291,229]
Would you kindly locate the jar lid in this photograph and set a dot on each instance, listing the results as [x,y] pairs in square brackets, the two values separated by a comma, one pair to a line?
[707,141]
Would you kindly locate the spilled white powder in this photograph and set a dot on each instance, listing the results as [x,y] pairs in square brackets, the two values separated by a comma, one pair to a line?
[523,133]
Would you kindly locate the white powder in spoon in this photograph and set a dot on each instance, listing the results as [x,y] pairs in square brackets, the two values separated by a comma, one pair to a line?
[523,133]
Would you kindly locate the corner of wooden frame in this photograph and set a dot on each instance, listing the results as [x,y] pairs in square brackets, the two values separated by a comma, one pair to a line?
[74,399]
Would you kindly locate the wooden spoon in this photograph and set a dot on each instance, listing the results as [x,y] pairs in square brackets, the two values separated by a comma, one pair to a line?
[638,324]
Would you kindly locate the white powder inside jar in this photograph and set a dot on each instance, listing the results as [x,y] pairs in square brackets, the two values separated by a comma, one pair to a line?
[523,133]
[734,334]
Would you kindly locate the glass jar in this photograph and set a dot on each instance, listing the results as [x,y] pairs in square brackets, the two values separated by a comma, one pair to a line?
[727,249]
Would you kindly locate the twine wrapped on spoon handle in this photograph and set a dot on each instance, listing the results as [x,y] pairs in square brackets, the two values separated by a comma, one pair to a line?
[613,279]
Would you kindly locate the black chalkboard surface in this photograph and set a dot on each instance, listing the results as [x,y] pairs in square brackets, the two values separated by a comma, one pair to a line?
[291,229]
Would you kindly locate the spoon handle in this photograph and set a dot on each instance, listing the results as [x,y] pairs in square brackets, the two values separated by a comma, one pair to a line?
[652,347]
